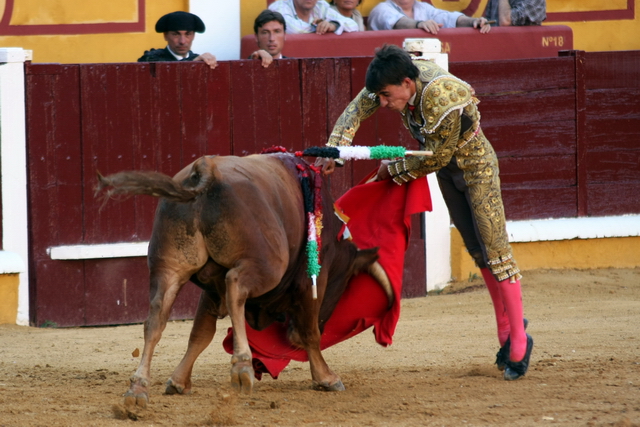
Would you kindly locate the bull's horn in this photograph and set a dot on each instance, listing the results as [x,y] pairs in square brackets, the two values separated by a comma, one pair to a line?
[378,273]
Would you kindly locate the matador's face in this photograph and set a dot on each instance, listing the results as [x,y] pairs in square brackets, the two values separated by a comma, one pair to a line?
[396,97]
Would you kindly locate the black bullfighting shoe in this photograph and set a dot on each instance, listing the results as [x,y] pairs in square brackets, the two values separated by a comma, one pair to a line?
[502,356]
[515,370]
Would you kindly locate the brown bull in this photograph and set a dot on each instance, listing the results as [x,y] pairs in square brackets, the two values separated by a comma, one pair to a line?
[236,227]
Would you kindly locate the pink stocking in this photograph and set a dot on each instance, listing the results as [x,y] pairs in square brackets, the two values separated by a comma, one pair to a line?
[502,319]
[512,300]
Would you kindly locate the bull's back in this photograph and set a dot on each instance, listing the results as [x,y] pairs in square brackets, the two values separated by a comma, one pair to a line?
[254,208]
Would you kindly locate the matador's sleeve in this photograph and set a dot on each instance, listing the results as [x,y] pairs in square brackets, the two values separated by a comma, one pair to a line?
[363,106]
[444,140]
[442,103]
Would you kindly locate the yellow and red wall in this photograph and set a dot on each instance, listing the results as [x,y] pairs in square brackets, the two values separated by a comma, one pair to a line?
[78,31]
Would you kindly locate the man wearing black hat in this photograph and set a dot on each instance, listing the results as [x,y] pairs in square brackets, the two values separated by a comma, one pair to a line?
[179,30]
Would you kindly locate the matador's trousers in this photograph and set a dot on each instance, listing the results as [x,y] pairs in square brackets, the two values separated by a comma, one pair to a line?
[471,189]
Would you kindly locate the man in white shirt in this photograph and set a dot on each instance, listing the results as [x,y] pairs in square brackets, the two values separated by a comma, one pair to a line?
[312,16]
[269,28]
[408,14]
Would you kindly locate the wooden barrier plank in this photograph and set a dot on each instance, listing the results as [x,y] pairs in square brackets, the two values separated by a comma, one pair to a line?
[117,291]
[414,274]
[290,106]
[614,198]
[531,139]
[313,77]
[54,158]
[555,105]
[612,70]
[515,76]
[613,167]
[166,121]
[266,102]
[55,191]
[194,103]
[218,90]
[539,172]
[106,123]
[136,113]
[539,203]
[242,108]
[58,293]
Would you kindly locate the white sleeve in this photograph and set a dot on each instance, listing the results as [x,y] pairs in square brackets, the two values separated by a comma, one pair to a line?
[425,12]
[384,17]
[346,24]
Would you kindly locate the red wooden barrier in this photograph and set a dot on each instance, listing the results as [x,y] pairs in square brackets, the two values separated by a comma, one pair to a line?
[565,139]
[462,44]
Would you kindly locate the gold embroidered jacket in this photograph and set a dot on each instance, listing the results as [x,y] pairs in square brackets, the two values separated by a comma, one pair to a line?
[447,122]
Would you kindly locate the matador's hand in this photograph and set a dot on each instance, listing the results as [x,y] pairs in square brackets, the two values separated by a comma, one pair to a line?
[383,171]
[327,165]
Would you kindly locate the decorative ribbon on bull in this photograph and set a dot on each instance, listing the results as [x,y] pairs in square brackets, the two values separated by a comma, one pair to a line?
[313,209]
[312,199]
[358,152]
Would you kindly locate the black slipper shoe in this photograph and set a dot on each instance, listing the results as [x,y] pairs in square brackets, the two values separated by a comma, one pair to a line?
[502,356]
[515,370]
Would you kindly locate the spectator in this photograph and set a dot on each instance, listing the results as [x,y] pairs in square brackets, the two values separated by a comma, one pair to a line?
[348,9]
[270,28]
[312,16]
[407,14]
[516,12]
[179,30]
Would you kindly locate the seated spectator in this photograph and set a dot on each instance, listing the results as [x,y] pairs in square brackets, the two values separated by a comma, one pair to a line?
[179,30]
[407,14]
[270,28]
[516,12]
[312,16]
[348,9]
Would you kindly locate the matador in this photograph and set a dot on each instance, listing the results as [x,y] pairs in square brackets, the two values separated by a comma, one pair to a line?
[441,113]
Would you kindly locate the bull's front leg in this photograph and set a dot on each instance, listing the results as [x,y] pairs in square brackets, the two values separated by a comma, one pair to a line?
[242,374]
[306,334]
[166,288]
[202,332]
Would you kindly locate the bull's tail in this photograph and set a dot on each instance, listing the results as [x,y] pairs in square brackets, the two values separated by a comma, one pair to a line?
[145,182]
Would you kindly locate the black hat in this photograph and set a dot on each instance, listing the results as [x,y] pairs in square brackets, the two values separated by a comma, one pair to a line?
[179,21]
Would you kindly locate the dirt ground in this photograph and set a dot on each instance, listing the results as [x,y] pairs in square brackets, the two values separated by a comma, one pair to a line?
[585,368]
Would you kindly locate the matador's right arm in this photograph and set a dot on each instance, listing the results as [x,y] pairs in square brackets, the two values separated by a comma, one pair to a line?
[363,106]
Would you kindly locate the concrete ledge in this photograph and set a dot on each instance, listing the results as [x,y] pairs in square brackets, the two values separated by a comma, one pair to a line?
[11,263]
[568,243]
[573,228]
[109,250]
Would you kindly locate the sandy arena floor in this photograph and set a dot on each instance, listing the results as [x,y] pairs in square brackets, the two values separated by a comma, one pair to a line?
[439,372]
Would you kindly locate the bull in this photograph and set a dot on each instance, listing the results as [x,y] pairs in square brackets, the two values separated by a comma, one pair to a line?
[236,227]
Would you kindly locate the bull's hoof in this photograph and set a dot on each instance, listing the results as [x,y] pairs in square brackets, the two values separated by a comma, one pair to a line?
[133,400]
[324,386]
[242,378]
[175,388]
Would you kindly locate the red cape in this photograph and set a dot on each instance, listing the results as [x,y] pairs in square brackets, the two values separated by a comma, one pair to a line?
[379,215]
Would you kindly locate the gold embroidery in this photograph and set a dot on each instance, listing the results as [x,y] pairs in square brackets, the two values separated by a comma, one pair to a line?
[442,99]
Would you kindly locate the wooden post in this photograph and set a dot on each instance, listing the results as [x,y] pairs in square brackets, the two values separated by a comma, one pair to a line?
[14,167]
